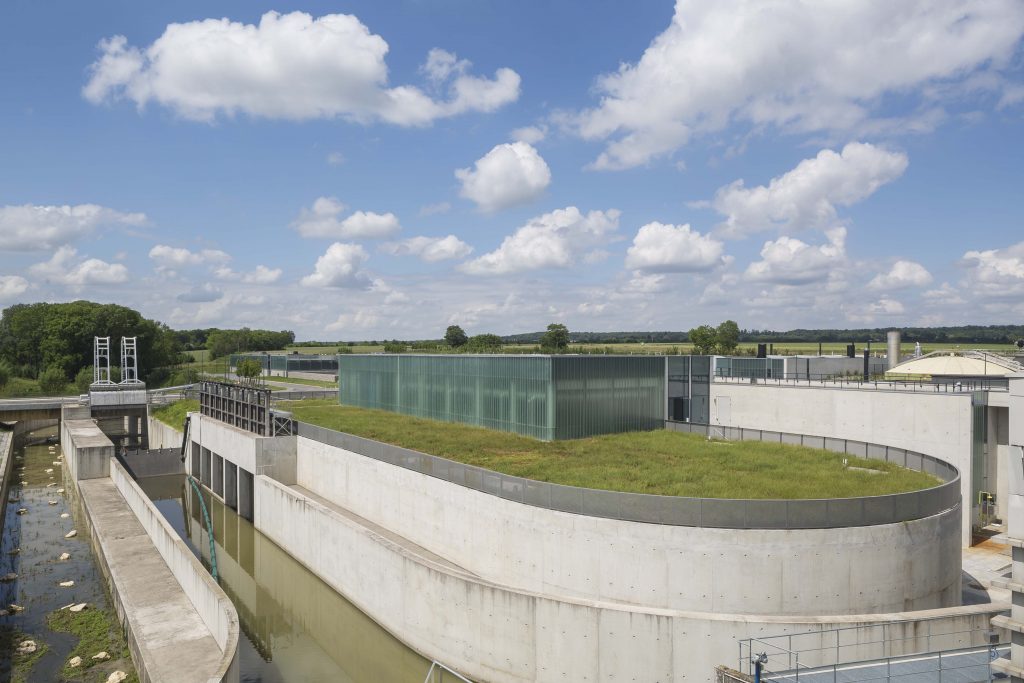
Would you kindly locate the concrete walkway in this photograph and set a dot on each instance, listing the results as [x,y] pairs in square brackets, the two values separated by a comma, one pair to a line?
[176,645]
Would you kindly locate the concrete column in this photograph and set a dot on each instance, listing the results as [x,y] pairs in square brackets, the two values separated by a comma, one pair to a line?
[196,461]
[1015,534]
[245,495]
[231,485]
[217,484]
[204,475]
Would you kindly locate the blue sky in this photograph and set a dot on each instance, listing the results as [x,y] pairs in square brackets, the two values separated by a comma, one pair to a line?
[367,170]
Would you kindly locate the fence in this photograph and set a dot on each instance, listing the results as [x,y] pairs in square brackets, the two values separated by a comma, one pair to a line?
[948,386]
[679,511]
[906,650]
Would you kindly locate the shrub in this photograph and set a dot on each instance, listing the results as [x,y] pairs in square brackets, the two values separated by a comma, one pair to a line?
[52,380]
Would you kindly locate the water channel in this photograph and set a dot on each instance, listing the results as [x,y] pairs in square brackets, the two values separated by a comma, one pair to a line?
[294,626]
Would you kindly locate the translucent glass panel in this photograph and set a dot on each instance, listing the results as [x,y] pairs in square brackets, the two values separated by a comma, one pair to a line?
[546,397]
[507,393]
[749,367]
[607,394]
[689,388]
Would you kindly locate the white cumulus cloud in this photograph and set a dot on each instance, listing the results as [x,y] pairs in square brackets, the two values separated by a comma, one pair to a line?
[340,266]
[790,261]
[552,240]
[510,174]
[807,196]
[288,66]
[36,228]
[658,247]
[430,249]
[798,66]
[902,275]
[531,135]
[12,286]
[65,268]
[323,220]
[260,275]
[996,273]
[176,257]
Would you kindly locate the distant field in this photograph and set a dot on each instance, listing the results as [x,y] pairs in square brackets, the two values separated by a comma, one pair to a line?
[301,380]
[780,348]
[660,462]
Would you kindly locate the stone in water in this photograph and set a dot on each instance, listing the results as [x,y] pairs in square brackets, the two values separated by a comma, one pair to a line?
[71,534]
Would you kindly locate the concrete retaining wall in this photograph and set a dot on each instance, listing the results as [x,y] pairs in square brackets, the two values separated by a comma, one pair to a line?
[6,470]
[162,435]
[939,424]
[881,568]
[497,634]
[206,596]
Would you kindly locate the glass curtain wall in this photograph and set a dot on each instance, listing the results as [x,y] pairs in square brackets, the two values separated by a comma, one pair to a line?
[608,394]
[689,388]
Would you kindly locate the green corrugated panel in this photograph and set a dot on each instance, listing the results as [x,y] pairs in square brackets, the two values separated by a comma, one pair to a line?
[607,394]
[544,397]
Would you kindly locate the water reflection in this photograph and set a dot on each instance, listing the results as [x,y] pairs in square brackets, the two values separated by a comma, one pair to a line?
[296,627]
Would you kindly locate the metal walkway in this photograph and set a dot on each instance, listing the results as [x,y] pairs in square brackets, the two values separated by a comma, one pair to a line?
[970,665]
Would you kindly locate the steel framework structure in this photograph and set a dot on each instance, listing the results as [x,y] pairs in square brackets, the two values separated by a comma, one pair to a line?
[129,360]
[101,361]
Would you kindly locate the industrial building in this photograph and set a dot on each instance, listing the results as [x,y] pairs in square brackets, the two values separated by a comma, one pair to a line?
[291,364]
[546,397]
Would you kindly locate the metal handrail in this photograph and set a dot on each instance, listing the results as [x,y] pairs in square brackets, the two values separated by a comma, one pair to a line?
[438,667]
[209,527]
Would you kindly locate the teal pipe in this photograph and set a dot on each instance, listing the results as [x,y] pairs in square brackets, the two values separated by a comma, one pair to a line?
[209,527]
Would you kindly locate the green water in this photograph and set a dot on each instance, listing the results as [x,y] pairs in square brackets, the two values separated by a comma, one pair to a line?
[295,627]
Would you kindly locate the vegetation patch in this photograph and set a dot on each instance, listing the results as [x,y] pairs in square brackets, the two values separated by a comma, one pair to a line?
[20,663]
[97,631]
[173,414]
[659,462]
[302,380]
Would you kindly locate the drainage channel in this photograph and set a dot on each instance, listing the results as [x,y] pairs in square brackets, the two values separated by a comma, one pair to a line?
[38,583]
[296,627]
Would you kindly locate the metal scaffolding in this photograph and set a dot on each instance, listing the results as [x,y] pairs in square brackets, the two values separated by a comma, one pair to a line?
[129,361]
[101,361]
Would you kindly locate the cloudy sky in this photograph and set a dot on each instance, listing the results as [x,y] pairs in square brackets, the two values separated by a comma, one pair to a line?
[366,169]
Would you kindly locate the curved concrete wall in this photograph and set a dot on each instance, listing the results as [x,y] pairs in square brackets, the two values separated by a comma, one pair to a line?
[499,634]
[938,424]
[881,568]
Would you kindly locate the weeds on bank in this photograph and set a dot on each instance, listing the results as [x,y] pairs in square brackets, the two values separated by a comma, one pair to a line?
[21,664]
[97,631]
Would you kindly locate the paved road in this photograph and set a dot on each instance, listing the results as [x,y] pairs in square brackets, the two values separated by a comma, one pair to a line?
[961,666]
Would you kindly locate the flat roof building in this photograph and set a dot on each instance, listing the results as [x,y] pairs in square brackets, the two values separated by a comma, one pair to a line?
[546,397]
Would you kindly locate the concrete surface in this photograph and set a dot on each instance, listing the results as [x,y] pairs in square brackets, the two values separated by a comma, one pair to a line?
[169,640]
[939,424]
[6,470]
[179,624]
[881,568]
[162,435]
[498,634]
[87,449]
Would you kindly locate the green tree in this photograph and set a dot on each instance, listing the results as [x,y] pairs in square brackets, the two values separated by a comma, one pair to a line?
[704,339]
[52,380]
[727,337]
[83,379]
[249,370]
[394,347]
[556,339]
[5,373]
[455,337]
[484,343]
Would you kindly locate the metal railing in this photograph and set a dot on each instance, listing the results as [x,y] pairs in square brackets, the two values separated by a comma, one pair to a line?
[681,511]
[437,672]
[875,652]
[919,386]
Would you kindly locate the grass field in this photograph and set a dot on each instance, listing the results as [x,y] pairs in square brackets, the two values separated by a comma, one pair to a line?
[173,414]
[325,384]
[660,462]
[781,348]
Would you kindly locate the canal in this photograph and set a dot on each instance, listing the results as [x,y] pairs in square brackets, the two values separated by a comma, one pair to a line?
[294,626]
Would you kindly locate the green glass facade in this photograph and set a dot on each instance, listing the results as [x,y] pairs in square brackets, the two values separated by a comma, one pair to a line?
[546,397]
[290,362]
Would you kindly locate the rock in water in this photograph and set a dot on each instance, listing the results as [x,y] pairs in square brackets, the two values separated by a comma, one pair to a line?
[71,534]
[64,515]
[22,511]
[27,647]
[75,661]
[9,577]
[117,677]
[101,656]
[79,607]
[66,584]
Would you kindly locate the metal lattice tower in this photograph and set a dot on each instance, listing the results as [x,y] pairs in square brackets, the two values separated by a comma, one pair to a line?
[101,360]
[129,361]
